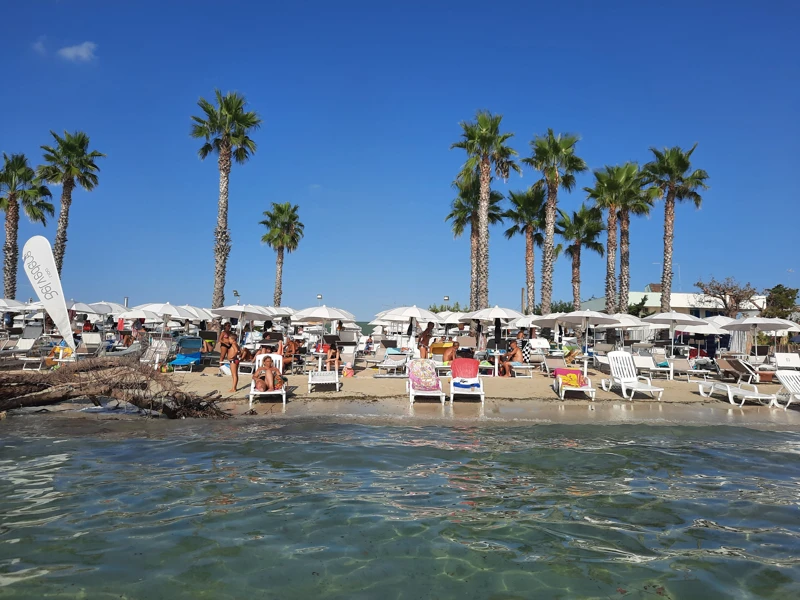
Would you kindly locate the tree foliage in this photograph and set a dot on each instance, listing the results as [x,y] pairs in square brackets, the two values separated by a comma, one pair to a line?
[637,309]
[732,294]
[781,302]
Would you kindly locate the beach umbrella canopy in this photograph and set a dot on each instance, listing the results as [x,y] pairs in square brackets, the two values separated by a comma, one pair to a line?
[719,320]
[163,309]
[246,312]
[755,324]
[80,307]
[404,313]
[138,313]
[703,329]
[108,308]
[625,321]
[200,314]
[277,311]
[8,305]
[454,318]
[673,319]
[584,318]
[489,315]
[322,313]
[540,321]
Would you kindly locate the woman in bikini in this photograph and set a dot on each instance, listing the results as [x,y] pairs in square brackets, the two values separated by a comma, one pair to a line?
[229,351]
[425,340]
[267,377]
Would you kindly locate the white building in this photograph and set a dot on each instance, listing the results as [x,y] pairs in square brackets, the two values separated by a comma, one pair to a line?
[698,305]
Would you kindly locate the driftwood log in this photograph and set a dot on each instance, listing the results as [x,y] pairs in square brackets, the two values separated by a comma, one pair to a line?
[122,379]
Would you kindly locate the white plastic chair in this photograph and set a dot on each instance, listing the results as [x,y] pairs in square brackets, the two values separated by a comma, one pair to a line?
[736,390]
[623,374]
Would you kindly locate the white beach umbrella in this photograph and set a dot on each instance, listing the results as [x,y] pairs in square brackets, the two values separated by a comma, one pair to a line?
[138,313]
[673,319]
[443,314]
[322,313]
[454,318]
[584,318]
[404,313]
[200,314]
[164,309]
[706,328]
[490,315]
[719,320]
[8,305]
[549,320]
[80,307]
[378,323]
[108,308]
[625,321]
[243,312]
[754,325]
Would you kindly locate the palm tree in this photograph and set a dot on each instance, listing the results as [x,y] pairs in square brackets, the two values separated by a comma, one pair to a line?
[612,185]
[284,232]
[527,215]
[19,185]
[580,230]
[553,156]
[486,148]
[638,202]
[226,129]
[68,162]
[463,213]
[671,174]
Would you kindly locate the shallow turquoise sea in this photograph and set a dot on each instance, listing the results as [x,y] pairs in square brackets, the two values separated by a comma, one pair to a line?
[313,509]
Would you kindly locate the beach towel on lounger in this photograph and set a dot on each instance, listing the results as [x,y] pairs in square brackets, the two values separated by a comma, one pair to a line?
[422,374]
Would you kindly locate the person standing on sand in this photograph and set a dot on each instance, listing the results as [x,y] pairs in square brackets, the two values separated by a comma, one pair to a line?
[229,351]
[425,340]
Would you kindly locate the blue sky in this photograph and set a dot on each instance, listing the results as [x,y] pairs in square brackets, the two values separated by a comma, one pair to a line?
[361,101]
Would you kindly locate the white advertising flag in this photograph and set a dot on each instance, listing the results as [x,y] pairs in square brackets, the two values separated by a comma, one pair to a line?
[40,266]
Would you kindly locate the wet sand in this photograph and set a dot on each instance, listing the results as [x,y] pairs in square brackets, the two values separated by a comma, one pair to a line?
[508,401]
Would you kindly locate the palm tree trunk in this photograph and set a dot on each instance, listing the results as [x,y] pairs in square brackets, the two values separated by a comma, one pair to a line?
[576,286]
[530,281]
[276,299]
[60,247]
[482,290]
[624,260]
[222,244]
[576,278]
[473,257]
[611,262]
[669,236]
[11,249]
[549,243]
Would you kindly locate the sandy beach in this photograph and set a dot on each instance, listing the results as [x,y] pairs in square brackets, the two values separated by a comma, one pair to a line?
[508,400]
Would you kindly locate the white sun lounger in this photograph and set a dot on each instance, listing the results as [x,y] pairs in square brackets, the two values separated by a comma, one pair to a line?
[682,365]
[646,365]
[623,374]
[736,390]
[787,360]
[790,387]
[277,361]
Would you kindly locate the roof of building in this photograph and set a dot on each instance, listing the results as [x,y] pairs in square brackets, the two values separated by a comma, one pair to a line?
[653,287]
[677,300]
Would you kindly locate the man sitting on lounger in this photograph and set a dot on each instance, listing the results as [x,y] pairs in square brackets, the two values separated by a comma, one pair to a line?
[268,378]
[450,353]
[511,359]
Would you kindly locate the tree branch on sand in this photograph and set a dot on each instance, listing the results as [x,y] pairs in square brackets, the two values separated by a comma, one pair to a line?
[121,379]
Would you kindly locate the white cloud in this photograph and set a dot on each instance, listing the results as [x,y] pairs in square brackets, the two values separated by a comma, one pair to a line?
[38,45]
[81,53]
